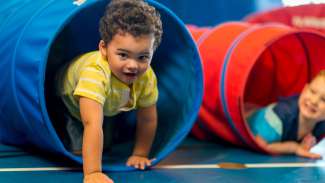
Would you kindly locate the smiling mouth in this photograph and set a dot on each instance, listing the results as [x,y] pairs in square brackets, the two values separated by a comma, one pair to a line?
[131,74]
[310,109]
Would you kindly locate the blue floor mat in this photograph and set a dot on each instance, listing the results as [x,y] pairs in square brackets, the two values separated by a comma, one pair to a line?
[192,162]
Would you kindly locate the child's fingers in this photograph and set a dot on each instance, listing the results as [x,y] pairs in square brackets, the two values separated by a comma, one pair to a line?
[142,165]
[145,163]
[129,162]
[313,156]
[308,142]
[132,162]
[307,154]
[136,165]
[316,156]
[148,162]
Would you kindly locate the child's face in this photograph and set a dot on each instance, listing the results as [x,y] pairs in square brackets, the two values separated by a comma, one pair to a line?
[128,56]
[312,100]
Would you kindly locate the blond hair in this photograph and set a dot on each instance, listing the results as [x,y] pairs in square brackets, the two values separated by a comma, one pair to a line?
[321,74]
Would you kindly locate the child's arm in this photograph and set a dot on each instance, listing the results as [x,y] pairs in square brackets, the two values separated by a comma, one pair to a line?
[92,118]
[288,147]
[145,133]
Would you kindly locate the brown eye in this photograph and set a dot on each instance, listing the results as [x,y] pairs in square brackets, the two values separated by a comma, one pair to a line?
[122,56]
[143,58]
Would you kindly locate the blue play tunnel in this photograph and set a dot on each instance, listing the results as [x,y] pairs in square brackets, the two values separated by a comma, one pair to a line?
[32,31]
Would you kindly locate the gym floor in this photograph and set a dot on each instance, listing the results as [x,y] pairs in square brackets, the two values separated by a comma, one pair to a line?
[193,161]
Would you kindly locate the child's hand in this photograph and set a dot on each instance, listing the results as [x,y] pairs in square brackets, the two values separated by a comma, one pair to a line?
[97,177]
[308,142]
[301,151]
[138,162]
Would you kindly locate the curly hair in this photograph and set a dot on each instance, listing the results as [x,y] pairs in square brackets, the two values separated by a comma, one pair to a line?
[135,17]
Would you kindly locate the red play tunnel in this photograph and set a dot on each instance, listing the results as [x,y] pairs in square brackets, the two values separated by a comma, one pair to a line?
[251,65]
[196,31]
[309,16]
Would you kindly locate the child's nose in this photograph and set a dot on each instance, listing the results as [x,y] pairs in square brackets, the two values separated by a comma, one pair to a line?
[314,99]
[132,65]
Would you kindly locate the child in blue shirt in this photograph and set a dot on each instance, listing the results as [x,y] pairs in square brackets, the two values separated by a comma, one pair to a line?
[294,124]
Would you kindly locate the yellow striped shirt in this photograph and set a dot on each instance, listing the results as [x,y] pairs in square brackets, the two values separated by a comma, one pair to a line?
[89,76]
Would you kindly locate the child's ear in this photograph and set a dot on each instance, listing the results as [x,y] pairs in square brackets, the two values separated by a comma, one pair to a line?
[102,48]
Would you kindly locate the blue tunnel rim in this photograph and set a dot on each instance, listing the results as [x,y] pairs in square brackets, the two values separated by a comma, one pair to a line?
[223,73]
[222,87]
[41,83]
[176,140]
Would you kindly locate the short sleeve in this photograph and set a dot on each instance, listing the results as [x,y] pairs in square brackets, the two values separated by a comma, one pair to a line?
[149,94]
[288,111]
[92,84]
[265,123]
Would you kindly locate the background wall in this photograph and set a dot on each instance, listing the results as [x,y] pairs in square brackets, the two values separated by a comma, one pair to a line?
[212,12]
